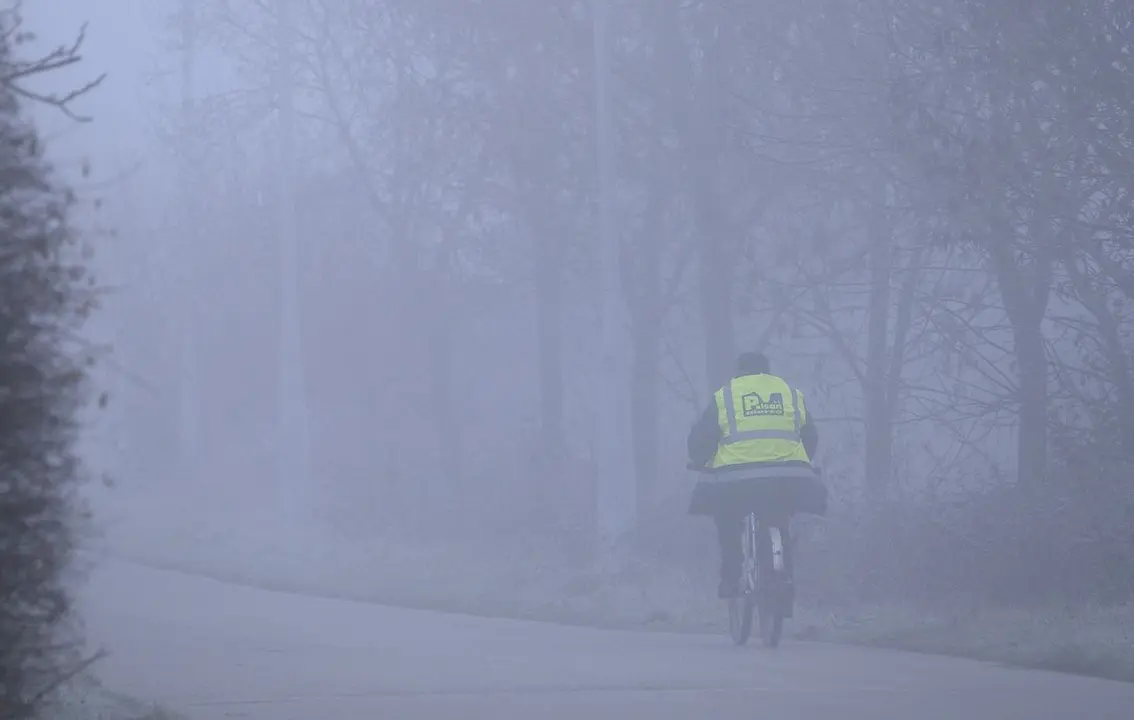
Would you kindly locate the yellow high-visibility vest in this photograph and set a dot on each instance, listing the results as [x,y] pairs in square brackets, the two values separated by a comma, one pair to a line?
[760,417]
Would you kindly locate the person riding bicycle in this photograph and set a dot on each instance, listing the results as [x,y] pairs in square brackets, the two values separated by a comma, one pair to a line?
[755,442]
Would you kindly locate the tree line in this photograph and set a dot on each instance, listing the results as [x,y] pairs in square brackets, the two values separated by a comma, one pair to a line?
[918,208]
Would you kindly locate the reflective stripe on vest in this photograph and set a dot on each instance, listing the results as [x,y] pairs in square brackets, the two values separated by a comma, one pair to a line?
[734,436]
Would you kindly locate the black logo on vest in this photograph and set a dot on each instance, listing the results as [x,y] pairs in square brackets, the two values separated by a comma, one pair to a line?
[753,405]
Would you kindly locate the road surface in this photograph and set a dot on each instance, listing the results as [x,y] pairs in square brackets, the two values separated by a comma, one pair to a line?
[212,650]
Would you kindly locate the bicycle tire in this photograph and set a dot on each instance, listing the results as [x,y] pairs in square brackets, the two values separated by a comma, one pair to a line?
[740,614]
[769,607]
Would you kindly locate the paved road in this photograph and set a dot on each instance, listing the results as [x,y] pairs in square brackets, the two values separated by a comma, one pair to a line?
[211,650]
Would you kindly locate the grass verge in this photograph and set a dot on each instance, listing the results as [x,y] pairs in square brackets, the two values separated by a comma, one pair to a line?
[1096,642]
[85,698]
[1089,641]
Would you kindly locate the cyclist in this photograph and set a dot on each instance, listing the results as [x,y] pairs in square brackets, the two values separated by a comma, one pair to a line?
[755,441]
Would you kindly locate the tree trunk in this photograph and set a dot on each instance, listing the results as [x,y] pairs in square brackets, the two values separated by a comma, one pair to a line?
[715,278]
[879,438]
[1025,288]
[644,412]
[400,355]
[189,346]
[549,318]
[706,149]
[902,324]
[1033,398]
[445,400]
[699,124]
[647,329]
[615,505]
[293,452]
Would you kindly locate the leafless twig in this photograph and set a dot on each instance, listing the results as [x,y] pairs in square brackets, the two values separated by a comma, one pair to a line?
[14,72]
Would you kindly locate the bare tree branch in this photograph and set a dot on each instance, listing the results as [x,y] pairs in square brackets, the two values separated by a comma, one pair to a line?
[16,72]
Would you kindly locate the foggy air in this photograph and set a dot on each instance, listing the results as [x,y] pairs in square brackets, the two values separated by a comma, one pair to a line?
[570,358]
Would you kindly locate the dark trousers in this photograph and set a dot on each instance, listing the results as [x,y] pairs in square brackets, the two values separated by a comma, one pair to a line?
[773,499]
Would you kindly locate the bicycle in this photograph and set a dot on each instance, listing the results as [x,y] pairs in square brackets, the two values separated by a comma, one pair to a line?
[767,590]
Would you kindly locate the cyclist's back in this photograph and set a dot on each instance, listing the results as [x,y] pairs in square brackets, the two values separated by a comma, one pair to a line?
[755,441]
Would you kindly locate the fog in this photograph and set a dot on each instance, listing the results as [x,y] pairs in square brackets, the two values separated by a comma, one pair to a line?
[420,299]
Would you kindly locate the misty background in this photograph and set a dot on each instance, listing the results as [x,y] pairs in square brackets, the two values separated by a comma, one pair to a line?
[458,274]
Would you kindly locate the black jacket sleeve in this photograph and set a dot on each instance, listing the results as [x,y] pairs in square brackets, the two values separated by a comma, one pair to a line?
[809,434]
[810,437]
[704,437]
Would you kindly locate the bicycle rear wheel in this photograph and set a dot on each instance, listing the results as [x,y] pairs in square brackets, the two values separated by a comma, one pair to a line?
[771,623]
[772,588]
